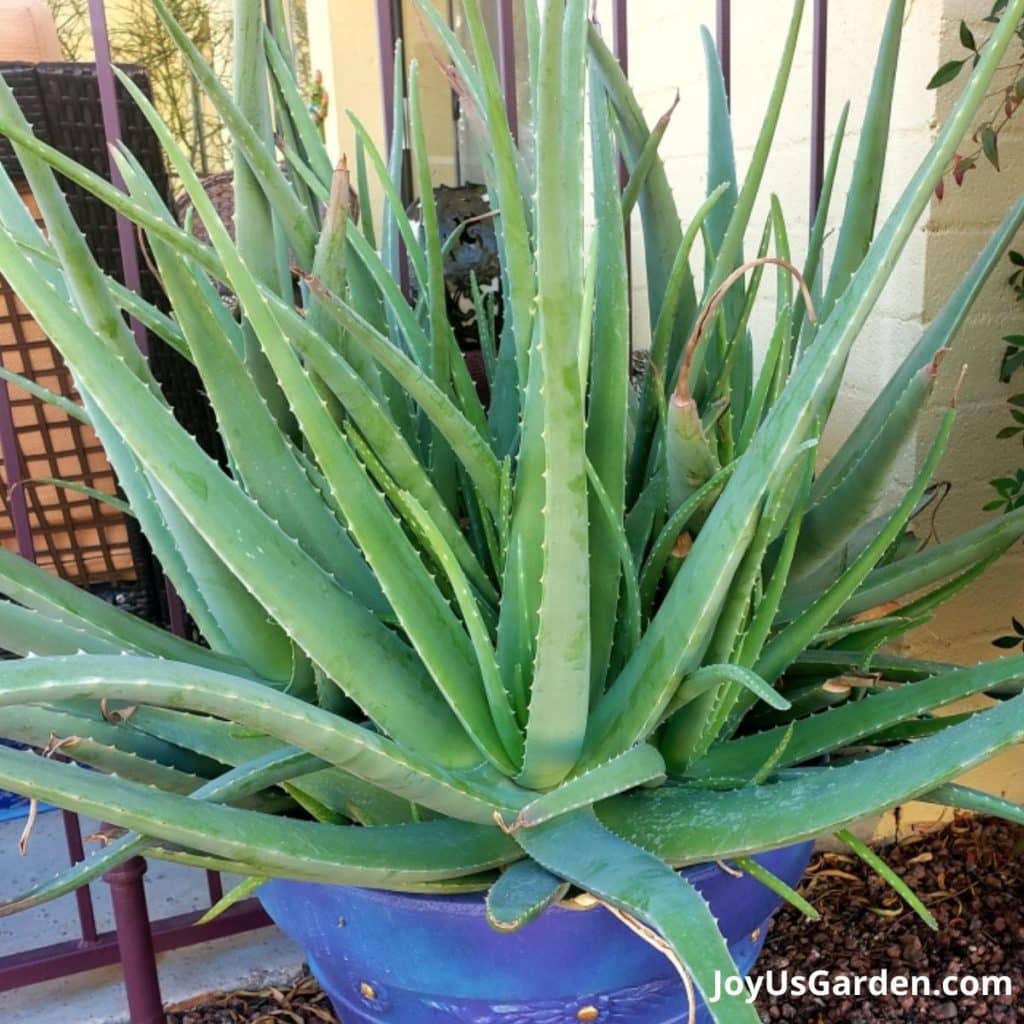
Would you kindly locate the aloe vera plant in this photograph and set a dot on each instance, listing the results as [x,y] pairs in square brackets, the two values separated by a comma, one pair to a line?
[581,636]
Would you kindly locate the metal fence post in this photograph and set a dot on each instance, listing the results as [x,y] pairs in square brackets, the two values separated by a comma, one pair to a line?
[135,942]
[134,936]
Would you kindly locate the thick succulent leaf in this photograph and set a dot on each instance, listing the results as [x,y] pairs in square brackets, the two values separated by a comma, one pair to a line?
[261,456]
[777,886]
[608,402]
[965,798]
[662,230]
[858,224]
[245,781]
[523,891]
[384,856]
[678,635]
[837,513]
[560,692]
[517,264]
[636,767]
[938,335]
[82,612]
[292,588]
[799,634]
[930,566]
[473,794]
[839,727]
[107,747]
[298,112]
[257,154]
[819,227]
[578,848]
[466,441]
[686,826]
[878,865]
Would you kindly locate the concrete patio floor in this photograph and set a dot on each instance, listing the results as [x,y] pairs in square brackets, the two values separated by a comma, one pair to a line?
[97,997]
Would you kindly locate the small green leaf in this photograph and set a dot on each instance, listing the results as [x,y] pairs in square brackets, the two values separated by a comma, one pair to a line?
[1006,643]
[946,73]
[990,145]
[967,37]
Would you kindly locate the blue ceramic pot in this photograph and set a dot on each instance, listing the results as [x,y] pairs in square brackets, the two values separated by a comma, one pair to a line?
[394,957]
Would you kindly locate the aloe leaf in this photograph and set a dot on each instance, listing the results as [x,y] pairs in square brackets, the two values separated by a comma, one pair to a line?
[490,675]
[16,129]
[470,447]
[153,319]
[523,891]
[858,224]
[66,405]
[256,152]
[42,727]
[636,767]
[288,584]
[83,278]
[658,376]
[878,865]
[670,532]
[425,615]
[815,243]
[938,335]
[662,230]
[327,791]
[685,826]
[560,693]
[107,746]
[710,677]
[298,112]
[264,461]
[644,162]
[927,567]
[24,632]
[678,635]
[238,784]
[751,867]
[395,213]
[835,662]
[915,612]
[517,264]
[965,798]
[578,848]
[689,734]
[383,856]
[855,720]
[236,894]
[385,439]
[727,254]
[721,171]
[185,558]
[835,514]
[331,265]
[82,612]
[782,648]
[473,792]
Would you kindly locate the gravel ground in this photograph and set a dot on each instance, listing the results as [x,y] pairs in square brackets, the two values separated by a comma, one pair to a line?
[970,874]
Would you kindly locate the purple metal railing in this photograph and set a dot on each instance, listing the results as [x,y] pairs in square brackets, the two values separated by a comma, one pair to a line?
[136,939]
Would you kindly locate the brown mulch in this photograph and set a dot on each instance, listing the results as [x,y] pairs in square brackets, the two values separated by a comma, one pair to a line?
[302,1002]
[969,873]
